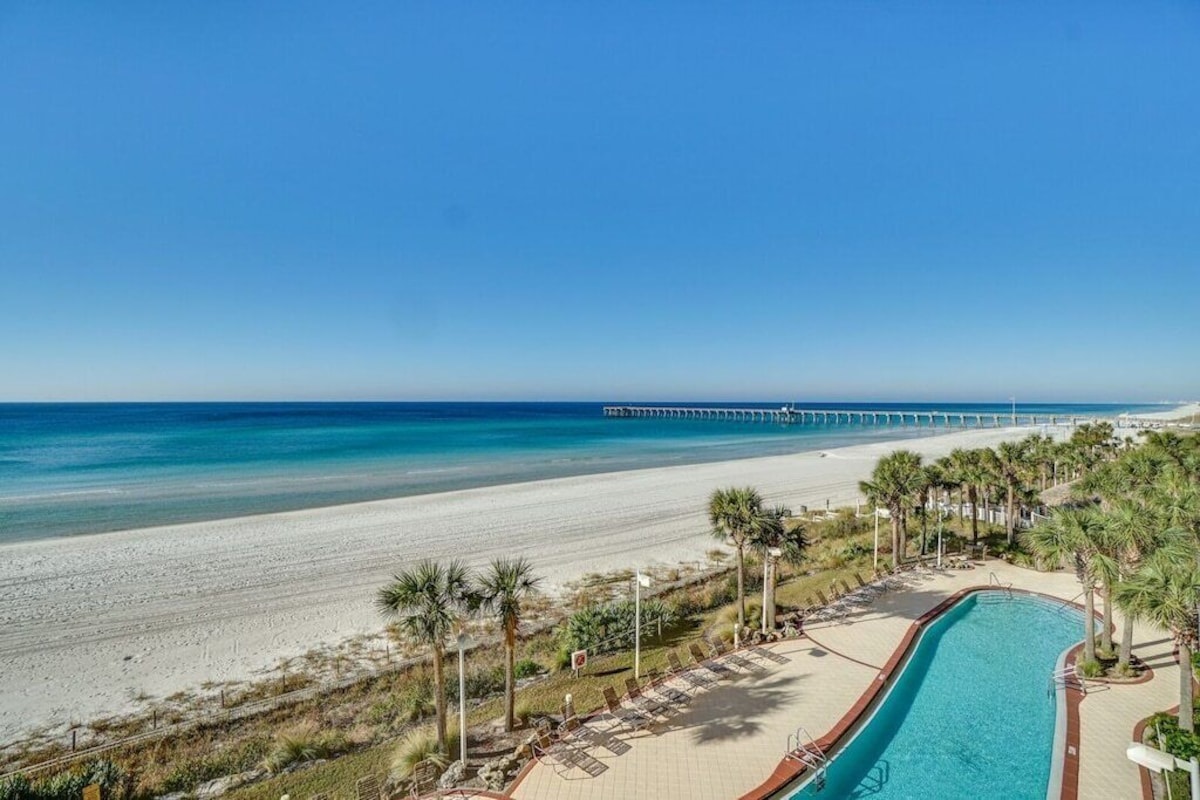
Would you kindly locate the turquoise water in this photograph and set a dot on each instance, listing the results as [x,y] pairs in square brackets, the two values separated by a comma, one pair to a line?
[86,468]
[970,716]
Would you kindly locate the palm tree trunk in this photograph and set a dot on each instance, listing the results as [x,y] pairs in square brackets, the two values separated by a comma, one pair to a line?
[1106,621]
[1185,687]
[987,512]
[1009,518]
[974,514]
[439,697]
[741,591]
[1126,644]
[895,540]
[1089,625]
[510,648]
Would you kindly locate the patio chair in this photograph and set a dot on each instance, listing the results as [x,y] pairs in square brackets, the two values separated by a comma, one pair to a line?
[567,756]
[716,667]
[758,651]
[657,682]
[858,597]
[667,706]
[625,717]
[367,788]
[644,703]
[696,678]
[424,778]
[719,651]
[572,727]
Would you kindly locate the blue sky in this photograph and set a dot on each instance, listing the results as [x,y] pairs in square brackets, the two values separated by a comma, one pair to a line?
[602,200]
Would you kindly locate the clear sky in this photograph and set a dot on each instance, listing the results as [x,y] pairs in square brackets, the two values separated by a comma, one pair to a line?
[843,200]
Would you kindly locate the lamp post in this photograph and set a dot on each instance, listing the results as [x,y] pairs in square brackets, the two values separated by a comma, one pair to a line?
[641,580]
[939,556]
[464,642]
[768,607]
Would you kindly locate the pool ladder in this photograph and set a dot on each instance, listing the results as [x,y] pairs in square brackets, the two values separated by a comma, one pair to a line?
[802,747]
[995,583]
[1065,678]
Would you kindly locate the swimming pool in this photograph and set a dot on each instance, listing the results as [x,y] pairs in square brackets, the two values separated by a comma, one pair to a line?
[969,715]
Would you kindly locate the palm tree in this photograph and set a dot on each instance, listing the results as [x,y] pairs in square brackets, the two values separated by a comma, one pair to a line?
[428,603]
[1163,593]
[1075,536]
[894,484]
[502,588]
[1134,531]
[1010,464]
[771,531]
[733,513]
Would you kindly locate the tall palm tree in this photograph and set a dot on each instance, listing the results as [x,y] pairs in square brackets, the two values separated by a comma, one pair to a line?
[1163,593]
[1010,464]
[503,586]
[1075,536]
[733,513]
[771,530]
[428,603]
[894,484]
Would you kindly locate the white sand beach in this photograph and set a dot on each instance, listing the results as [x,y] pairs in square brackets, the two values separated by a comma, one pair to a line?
[89,623]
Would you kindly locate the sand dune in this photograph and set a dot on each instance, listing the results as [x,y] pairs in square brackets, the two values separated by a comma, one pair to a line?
[88,623]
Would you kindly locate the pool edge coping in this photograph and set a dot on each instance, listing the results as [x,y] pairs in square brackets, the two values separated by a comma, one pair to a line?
[788,770]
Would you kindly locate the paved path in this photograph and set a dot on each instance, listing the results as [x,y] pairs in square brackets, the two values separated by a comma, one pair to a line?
[733,737]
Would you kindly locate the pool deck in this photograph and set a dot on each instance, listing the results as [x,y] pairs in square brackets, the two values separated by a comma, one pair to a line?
[732,738]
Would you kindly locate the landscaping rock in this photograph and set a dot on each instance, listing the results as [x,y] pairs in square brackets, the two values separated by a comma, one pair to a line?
[454,775]
[495,774]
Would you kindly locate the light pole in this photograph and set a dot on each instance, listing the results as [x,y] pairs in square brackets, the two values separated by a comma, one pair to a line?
[464,641]
[642,580]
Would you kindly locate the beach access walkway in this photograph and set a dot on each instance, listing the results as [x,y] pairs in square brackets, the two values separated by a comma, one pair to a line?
[733,737]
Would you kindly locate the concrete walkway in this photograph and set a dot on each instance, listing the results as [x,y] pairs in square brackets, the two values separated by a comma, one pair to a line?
[733,736]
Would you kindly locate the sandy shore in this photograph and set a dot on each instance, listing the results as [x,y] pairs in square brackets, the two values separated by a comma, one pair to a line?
[87,624]
[1178,413]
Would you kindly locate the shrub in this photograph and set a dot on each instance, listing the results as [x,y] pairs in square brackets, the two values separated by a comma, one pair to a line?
[304,743]
[526,668]
[1178,743]
[420,746]
[16,787]
[1090,669]
[479,683]
[610,627]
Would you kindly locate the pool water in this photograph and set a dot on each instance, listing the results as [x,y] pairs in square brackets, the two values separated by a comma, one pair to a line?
[970,715]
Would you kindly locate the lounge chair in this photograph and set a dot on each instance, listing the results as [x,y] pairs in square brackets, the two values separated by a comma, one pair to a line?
[696,678]
[758,651]
[716,667]
[730,657]
[657,682]
[674,699]
[572,727]
[626,717]
[367,788]
[567,756]
[424,778]
[857,597]
[648,704]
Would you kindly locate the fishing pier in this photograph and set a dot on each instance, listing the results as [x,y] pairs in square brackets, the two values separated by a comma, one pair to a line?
[788,415]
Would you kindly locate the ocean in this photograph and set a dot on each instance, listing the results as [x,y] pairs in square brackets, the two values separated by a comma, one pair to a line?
[69,469]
